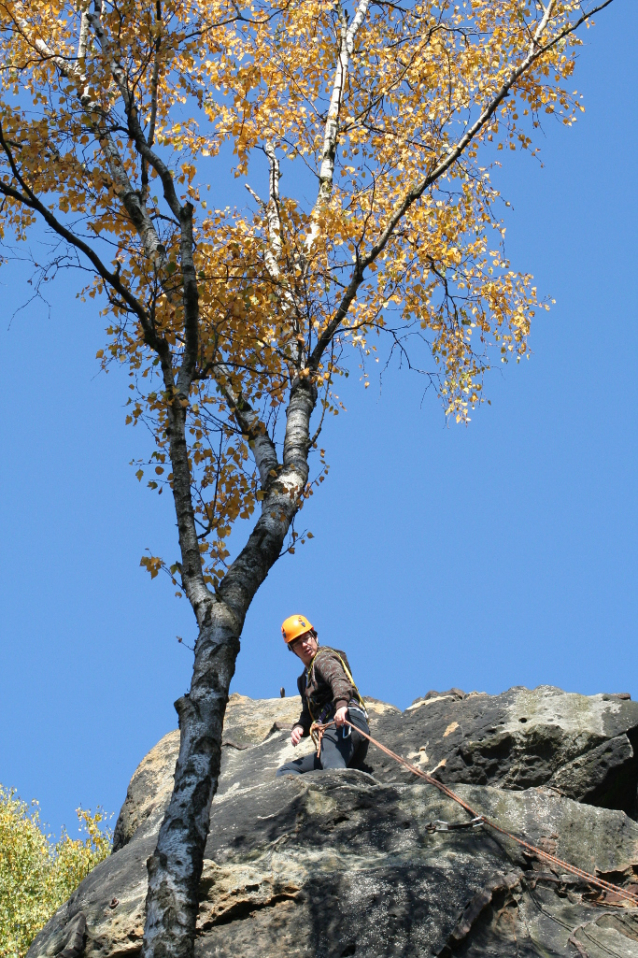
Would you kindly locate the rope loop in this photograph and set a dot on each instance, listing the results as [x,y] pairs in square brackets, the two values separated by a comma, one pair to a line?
[317,730]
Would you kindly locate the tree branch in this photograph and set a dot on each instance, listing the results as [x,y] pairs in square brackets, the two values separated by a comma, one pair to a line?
[29,199]
[331,131]
[130,198]
[263,448]
[134,126]
[183,213]
[452,155]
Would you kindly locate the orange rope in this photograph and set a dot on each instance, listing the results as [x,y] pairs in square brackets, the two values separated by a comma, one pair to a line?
[586,876]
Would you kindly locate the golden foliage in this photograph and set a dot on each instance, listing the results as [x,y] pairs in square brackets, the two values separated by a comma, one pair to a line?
[119,122]
[36,874]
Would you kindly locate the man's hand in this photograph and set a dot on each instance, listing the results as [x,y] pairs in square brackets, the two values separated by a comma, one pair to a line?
[296,735]
[340,716]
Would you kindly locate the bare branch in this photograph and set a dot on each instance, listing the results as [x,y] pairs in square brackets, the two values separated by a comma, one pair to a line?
[28,198]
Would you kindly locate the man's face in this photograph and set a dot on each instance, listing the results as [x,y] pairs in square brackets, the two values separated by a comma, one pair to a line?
[305,647]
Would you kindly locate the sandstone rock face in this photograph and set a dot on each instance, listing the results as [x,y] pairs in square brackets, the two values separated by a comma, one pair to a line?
[248,722]
[583,746]
[334,864]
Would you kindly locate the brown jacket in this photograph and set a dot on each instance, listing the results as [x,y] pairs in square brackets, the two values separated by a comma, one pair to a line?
[324,687]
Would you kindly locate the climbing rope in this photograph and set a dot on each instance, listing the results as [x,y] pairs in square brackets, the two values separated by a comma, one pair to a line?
[317,731]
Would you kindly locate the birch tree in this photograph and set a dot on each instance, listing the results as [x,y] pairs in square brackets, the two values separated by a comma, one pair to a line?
[381,119]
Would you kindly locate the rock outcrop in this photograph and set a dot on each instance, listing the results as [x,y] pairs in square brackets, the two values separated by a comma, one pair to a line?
[335,864]
[586,747]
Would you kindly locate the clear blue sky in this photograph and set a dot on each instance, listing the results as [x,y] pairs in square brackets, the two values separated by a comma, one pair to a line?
[484,557]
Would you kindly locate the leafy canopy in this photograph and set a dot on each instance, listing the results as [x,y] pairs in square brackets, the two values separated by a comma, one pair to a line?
[368,129]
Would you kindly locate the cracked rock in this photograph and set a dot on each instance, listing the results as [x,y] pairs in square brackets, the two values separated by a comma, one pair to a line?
[336,864]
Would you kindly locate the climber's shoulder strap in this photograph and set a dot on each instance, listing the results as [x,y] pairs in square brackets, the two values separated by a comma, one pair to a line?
[341,657]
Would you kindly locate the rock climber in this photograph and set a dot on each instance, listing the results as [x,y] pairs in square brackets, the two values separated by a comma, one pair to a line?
[328,693]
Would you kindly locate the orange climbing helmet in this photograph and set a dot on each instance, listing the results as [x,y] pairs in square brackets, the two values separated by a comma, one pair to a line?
[294,626]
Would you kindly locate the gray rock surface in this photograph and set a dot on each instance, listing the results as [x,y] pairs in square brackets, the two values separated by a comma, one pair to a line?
[248,722]
[346,863]
[583,746]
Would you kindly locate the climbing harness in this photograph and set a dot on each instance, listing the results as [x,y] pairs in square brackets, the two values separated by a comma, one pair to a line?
[317,731]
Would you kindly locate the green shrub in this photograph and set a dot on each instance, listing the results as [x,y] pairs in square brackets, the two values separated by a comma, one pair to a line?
[37,875]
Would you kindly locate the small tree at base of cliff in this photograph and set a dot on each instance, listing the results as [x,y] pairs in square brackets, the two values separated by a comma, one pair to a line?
[37,875]
[235,323]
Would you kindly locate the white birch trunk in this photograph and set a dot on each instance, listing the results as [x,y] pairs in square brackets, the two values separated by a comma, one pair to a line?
[174,869]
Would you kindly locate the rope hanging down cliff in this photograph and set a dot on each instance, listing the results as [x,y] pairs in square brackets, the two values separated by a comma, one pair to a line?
[317,731]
